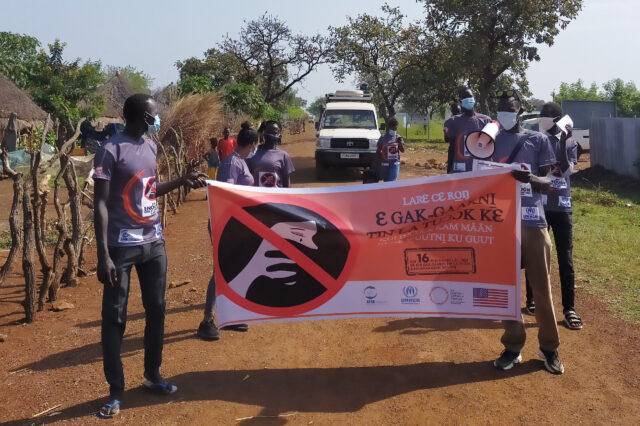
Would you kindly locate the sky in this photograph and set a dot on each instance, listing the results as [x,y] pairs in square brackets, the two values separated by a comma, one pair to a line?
[152,35]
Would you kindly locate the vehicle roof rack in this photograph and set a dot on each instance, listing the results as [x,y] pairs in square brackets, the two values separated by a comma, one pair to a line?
[349,96]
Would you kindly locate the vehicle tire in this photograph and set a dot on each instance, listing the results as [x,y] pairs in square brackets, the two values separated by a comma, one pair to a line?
[321,171]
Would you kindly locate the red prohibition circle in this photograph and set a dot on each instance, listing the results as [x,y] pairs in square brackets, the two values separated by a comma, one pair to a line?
[330,292]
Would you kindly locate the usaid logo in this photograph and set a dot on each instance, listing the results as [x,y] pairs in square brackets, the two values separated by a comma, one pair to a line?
[370,293]
[410,295]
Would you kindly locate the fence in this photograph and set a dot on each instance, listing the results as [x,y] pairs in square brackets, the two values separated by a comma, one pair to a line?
[615,144]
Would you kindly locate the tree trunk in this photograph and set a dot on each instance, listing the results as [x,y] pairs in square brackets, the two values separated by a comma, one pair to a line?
[70,277]
[71,180]
[58,251]
[27,255]
[39,208]
[14,226]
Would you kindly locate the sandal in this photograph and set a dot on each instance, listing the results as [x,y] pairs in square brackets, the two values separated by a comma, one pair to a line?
[163,387]
[110,409]
[572,320]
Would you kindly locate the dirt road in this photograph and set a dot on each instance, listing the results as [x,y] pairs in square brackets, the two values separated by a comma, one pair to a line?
[360,371]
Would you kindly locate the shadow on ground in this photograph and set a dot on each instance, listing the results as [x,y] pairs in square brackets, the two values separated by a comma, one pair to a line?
[327,390]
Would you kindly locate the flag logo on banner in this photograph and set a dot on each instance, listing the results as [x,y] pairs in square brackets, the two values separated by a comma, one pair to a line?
[488,298]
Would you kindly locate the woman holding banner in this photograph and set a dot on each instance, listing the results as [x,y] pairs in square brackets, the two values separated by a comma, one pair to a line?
[233,169]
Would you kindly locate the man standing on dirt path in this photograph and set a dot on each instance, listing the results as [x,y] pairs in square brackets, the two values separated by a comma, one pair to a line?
[558,211]
[129,233]
[534,153]
[456,128]
[227,144]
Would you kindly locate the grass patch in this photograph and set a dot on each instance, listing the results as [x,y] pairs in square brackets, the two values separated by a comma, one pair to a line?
[606,216]
[434,131]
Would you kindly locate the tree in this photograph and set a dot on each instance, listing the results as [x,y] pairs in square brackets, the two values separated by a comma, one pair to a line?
[380,51]
[245,99]
[195,84]
[67,90]
[576,92]
[18,57]
[494,36]
[219,68]
[272,57]
[317,107]
[139,81]
[626,96]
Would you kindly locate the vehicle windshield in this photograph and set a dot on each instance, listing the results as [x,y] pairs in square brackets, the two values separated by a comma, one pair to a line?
[349,119]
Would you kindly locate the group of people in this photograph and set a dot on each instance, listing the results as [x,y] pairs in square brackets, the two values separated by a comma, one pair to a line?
[129,232]
[547,159]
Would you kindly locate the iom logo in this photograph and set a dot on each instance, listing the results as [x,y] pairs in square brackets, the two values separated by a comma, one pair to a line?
[410,295]
[370,294]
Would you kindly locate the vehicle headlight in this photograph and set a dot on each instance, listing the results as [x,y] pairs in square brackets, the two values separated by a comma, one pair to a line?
[323,143]
[373,143]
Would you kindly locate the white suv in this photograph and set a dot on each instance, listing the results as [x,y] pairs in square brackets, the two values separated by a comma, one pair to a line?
[347,131]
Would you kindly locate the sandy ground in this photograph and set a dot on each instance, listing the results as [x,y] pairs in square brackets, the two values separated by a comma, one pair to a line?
[360,371]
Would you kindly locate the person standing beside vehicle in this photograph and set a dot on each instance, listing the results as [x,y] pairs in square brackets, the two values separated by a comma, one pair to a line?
[456,129]
[271,167]
[388,150]
[233,169]
[558,210]
[129,233]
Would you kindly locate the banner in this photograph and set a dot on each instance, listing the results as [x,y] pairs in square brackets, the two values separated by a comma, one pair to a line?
[440,246]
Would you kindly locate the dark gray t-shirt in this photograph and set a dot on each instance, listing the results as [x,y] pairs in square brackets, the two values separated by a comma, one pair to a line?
[130,167]
[270,167]
[536,152]
[388,149]
[559,199]
[234,169]
[456,128]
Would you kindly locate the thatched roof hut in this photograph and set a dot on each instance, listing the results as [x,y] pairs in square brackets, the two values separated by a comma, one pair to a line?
[116,90]
[14,100]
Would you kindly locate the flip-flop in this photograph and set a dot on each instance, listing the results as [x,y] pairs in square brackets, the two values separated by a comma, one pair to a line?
[162,388]
[110,409]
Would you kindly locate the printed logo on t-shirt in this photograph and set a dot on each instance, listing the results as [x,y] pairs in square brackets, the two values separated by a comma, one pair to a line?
[459,167]
[558,183]
[148,202]
[544,199]
[392,153]
[530,213]
[564,201]
[525,190]
[158,230]
[267,179]
[130,236]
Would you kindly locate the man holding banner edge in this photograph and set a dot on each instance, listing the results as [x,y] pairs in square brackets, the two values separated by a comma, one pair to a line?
[533,151]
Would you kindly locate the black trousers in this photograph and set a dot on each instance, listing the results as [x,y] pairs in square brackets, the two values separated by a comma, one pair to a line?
[561,224]
[150,261]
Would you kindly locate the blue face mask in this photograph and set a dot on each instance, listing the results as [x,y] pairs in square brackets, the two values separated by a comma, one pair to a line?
[468,103]
[393,132]
[507,119]
[252,153]
[153,128]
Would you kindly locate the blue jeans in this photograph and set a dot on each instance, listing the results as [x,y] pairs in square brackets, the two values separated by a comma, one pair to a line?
[389,171]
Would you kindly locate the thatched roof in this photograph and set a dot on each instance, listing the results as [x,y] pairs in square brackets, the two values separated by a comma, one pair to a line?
[116,90]
[12,99]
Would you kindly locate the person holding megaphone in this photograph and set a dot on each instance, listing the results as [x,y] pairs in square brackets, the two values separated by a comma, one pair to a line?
[457,127]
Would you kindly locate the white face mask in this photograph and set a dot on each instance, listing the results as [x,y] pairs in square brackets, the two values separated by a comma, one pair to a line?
[546,124]
[507,119]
